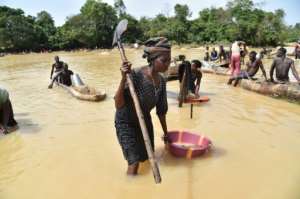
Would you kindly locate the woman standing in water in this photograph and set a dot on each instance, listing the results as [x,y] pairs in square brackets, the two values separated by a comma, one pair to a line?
[150,87]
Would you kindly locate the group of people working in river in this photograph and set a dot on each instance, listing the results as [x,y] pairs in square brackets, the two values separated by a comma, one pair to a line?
[150,88]
[281,65]
[151,91]
[7,122]
[222,55]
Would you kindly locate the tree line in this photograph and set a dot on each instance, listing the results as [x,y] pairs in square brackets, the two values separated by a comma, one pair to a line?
[93,27]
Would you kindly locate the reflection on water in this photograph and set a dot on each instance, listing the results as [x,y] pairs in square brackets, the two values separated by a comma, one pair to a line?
[66,148]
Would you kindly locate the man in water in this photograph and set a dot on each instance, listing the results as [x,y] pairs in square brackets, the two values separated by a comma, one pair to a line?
[195,77]
[213,55]
[222,54]
[282,65]
[66,76]
[7,121]
[57,68]
[206,56]
[184,72]
[252,68]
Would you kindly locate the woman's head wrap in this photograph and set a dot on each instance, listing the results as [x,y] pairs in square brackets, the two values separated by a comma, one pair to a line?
[154,47]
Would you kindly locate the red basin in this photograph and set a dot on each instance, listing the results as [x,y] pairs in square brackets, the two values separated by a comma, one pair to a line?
[187,144]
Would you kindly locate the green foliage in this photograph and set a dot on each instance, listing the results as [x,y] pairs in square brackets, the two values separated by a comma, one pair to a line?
[93,27]
[293,33]
[44,23]
[17,31]
[99,23]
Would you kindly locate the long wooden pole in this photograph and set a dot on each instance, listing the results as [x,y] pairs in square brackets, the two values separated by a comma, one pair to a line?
[140,115]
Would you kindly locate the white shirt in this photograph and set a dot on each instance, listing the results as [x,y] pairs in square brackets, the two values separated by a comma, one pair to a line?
[235,49]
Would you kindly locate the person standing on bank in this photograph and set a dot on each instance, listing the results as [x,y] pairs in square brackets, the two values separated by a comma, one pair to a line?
[151,90]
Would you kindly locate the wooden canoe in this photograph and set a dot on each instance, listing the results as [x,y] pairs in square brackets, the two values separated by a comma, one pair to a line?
[289,91]
[85,92]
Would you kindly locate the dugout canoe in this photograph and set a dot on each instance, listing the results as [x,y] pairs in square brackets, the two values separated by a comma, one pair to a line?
[289,91]
[83,92]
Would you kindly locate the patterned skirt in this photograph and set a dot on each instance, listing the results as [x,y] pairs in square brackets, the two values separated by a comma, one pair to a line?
[130,137]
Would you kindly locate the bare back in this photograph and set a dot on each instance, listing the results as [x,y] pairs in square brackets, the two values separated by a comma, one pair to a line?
[282,67]
[252,67]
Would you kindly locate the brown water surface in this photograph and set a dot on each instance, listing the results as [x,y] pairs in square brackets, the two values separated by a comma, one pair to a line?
[66,148]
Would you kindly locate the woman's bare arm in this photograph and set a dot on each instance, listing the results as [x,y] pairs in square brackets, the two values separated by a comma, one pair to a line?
[119,96]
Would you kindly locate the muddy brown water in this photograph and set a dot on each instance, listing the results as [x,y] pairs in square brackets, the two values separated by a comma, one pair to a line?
[66,148]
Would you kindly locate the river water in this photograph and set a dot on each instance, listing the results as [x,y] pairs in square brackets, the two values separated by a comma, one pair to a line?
[66,148]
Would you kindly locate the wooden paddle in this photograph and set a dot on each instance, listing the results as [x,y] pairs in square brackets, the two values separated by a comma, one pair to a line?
[121,28]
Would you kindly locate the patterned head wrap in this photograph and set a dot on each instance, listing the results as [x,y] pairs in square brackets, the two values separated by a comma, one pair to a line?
[154,47]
